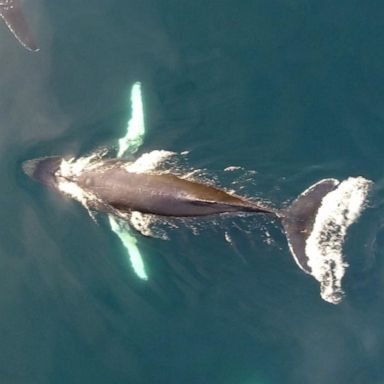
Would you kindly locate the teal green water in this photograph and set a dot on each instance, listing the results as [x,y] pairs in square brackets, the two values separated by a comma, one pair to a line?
[290,89]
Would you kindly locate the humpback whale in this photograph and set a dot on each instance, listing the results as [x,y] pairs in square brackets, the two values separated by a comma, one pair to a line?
[12,14]
[118,191]
[315,223]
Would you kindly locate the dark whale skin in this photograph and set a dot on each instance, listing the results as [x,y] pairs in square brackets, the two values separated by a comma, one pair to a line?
[159,194]
[162,194]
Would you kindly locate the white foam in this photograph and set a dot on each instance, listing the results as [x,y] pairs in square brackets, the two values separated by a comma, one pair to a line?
[73,167]
[147,225]
[339,209]
[72,190]
[232,168]
[141,222]
[228,238]
[68,173]
[149,161]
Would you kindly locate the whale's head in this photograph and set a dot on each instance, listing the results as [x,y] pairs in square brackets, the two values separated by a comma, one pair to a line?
[43,169]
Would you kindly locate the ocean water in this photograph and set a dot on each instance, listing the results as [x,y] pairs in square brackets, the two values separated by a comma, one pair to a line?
[290,91]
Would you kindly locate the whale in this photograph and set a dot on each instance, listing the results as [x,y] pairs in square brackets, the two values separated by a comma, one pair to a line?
[159,194]
[315,223]
[11,13]
[116,190]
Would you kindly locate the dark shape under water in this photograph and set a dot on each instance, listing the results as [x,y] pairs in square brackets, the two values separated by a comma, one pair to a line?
[117,189]
[11,13]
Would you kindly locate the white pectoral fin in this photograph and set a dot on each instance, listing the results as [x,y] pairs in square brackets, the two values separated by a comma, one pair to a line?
[123,231]
[134,136]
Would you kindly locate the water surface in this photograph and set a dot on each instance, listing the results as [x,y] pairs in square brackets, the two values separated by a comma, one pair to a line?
[290,89]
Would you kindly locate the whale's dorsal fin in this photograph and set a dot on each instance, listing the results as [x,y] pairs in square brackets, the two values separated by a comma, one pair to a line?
[12,14]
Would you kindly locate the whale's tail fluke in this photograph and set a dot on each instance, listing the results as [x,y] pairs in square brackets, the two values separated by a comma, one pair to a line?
[316,224]
[13,16]
[300,217]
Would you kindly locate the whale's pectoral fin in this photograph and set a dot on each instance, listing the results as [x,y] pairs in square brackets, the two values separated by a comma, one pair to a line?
[13,16]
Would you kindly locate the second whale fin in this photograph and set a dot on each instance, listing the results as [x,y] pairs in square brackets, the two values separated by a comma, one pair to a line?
[13,16]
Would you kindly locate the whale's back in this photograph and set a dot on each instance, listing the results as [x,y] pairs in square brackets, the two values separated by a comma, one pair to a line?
[161,194]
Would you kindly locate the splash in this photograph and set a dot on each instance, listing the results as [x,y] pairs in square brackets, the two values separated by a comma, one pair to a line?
[72,190]
[339,209]
[67,174]
[149,161]
[75,167]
